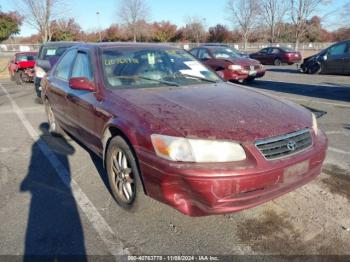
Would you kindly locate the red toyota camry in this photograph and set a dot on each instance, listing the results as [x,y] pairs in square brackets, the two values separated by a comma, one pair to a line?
[167,126]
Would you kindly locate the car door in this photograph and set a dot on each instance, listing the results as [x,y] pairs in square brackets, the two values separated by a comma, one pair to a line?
[59,86]
[346,64]
[334,63]
[83,108]
[262,55]
[272,54]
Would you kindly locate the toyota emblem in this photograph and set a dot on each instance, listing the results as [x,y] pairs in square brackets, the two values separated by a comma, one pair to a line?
[291,145]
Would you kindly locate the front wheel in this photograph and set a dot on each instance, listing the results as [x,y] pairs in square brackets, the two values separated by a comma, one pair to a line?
[277,62]
[315,69]
[54,127]
[123,174]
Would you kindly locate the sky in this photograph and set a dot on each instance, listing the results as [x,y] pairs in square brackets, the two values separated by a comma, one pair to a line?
[176,11]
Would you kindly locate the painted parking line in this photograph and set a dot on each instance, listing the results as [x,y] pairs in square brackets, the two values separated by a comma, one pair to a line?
[336,150]
[113,244]
[317,101]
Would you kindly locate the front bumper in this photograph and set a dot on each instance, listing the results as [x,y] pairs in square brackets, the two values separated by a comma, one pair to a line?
[231,75]
[205,189]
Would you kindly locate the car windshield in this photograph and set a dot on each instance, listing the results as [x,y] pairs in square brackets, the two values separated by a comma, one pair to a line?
[48,52]
[142,68]
[225,53]
[22,58]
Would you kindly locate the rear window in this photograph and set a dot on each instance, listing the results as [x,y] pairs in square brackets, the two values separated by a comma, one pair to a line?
[47,52]
[22,58]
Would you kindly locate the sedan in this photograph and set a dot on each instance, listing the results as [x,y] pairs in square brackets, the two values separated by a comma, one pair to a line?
[277,56]
[228,63]
[166,126]
[333,60]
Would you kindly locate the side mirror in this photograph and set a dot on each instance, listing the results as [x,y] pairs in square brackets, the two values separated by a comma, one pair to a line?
[325,57]
[81,83]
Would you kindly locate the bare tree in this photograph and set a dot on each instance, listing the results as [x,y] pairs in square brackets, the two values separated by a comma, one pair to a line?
[39,14]
[300,12]
[195,30]
[272,13]
[243,13]
[131,13]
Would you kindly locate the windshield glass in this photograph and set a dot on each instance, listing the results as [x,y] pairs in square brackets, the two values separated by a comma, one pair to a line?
[23,58]
[225,53]
[142,67]
[48,52]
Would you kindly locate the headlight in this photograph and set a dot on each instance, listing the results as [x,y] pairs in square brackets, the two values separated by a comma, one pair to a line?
[196,150]
[235,67]
[314,124]
[39,72]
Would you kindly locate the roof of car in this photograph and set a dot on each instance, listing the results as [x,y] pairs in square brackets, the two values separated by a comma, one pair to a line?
[61,43]
[127,44]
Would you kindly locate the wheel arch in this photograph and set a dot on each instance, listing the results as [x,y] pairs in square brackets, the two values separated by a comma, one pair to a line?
[113,130]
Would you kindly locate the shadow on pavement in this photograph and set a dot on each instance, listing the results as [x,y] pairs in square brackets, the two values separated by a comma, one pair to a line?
[54,231]
[336,92]
[347,126]
[284,70]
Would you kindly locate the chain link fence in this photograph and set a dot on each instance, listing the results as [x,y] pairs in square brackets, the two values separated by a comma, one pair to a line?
[251,47]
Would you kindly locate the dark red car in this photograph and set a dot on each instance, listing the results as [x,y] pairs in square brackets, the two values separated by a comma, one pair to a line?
[167,126]
[229,63]
[277,56]
[21,67]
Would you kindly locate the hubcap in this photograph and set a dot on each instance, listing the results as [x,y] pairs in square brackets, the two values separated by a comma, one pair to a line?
[123,177]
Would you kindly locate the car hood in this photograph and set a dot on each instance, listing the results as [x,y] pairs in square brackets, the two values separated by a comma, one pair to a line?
[244,61]
[218,111]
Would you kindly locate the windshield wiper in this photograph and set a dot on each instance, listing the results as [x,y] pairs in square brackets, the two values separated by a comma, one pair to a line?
[150,79]
[197,77]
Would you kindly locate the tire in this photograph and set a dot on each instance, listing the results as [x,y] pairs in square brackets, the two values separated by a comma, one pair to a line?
[123,174]
[18,78]
[277,62]
[54,127]
[314,69]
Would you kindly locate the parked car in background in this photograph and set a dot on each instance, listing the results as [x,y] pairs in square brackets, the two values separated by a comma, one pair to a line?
[228,63]
[21,67]
[48,55]
[166,125]
[333,60]
[242,54]
[277,56]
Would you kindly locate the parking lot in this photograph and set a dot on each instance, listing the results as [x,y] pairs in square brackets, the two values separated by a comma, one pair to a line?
[54,196]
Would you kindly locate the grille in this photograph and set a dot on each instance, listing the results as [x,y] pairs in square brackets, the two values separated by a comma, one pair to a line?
[253,67]
[286,145]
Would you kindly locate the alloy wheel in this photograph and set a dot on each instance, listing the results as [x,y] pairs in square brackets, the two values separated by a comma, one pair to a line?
[123,177]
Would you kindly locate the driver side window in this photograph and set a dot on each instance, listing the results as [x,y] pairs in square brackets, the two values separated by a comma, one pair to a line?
[64,65]
[82,67]
[337,49]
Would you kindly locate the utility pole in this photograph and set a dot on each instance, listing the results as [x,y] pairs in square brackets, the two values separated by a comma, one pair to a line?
[98,24]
